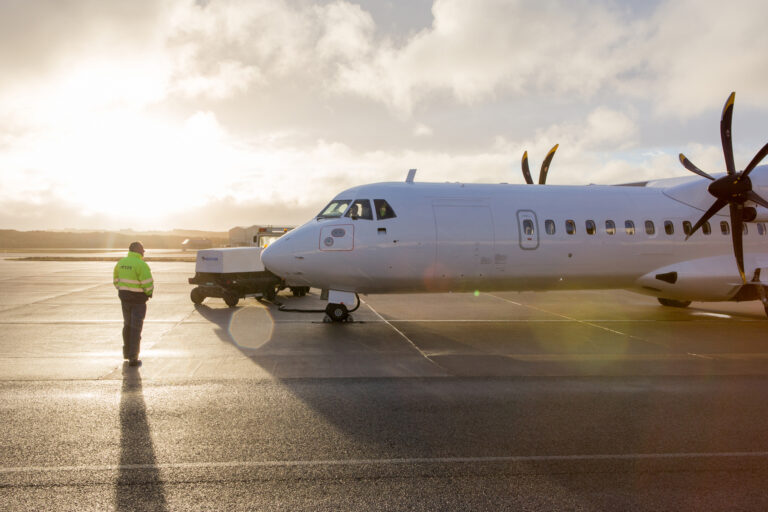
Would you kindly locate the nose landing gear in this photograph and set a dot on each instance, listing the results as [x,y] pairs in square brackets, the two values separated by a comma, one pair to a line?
[336,310]
[337,313]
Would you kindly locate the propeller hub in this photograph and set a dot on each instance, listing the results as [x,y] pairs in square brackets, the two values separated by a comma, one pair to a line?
[732,188]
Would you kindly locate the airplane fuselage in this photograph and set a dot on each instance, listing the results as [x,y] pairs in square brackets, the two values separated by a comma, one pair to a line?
[478,237]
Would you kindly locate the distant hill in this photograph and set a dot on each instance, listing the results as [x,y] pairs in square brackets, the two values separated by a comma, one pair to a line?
[12,239]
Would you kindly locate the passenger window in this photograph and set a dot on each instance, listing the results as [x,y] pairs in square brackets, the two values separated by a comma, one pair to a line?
[570,227]
[528,227]
[610,227]
[687,228]
[383,210]
[629,227]
[669,227]
[650,229]
[706,228]
[591,227]
[725,228]
[760,228]
[335,208]
[360,209]
[549,226]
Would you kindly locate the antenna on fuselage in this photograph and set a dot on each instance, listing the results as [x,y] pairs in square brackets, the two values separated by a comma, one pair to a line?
[411,175]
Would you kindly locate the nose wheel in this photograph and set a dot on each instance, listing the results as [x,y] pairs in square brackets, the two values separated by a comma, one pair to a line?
[337,313]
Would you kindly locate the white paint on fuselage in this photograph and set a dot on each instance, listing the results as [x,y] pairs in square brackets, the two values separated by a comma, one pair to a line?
[466,237]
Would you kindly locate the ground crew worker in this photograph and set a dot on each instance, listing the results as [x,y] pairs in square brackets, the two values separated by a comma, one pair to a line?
[134,284]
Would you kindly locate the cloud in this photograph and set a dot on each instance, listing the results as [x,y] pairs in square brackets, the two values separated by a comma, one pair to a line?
[227,79]
[422,130]
[254,107]
[479,50]
[696,53]
[475,50]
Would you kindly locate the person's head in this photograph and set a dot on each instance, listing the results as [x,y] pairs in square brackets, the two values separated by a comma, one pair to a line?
[136,247]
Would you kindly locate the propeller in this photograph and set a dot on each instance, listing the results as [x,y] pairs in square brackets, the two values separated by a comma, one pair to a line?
[734,189]
[544,167]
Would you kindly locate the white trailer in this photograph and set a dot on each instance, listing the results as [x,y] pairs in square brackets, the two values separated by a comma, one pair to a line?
[233,273]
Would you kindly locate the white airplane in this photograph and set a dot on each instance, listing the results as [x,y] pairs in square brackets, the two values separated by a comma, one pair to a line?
[664,238]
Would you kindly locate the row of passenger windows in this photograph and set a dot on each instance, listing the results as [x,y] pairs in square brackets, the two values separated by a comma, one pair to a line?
[629,227]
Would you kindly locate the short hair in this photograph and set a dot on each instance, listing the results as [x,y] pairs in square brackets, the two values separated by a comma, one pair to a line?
[136,247]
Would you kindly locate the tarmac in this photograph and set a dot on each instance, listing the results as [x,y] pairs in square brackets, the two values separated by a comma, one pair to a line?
[587,400]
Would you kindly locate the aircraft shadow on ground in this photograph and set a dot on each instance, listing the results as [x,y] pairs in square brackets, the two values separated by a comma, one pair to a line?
[401,417]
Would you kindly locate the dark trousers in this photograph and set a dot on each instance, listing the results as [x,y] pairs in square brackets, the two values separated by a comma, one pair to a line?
[133,321]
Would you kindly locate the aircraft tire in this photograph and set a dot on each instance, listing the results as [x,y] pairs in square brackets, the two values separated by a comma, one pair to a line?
[337,312]
[674,303]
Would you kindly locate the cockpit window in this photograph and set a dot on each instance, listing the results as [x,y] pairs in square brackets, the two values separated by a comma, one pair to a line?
[360,209]
[383,210]
[335,208]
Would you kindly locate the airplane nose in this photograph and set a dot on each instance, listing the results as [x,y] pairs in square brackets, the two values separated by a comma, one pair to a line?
[274,256]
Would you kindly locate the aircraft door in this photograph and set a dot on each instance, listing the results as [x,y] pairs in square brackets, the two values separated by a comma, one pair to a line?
[465,242]
[528,229]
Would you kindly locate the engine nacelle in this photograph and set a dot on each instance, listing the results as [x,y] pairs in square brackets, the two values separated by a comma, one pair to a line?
[707,279]
[761,214]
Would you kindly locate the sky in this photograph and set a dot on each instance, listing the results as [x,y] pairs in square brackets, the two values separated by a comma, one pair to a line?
[209,114]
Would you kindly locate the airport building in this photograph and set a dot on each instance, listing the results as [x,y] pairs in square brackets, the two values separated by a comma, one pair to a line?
[255,235]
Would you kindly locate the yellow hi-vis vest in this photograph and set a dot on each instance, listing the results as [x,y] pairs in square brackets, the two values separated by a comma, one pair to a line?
[132,275]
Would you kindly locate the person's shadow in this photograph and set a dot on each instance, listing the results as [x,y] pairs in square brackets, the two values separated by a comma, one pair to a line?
[139,485]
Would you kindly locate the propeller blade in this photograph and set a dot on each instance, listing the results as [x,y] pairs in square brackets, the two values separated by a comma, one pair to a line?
[725,134]
[752,196]
[756,160]
[737,225]
[545,165]
[526,170]
[716,207]
[689,165]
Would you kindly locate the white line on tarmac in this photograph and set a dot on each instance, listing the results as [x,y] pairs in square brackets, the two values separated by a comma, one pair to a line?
[583,322]
[542,320]
[406,338]
[404,461]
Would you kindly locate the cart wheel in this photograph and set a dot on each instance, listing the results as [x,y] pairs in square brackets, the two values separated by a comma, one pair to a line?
[197,296]
[231,298]
[269,293]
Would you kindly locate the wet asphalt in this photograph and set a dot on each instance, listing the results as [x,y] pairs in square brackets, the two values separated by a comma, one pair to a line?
[504,401]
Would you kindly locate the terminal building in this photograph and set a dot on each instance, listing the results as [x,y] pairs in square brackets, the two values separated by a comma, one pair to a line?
[256,236]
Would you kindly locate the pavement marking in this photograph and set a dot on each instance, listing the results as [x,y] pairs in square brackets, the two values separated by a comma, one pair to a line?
[406,338]
[68,292]
[403,461]
[583,322]
[531,320]
[701,356]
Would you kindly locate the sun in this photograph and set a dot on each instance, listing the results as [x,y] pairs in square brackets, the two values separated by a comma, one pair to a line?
[105,148]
